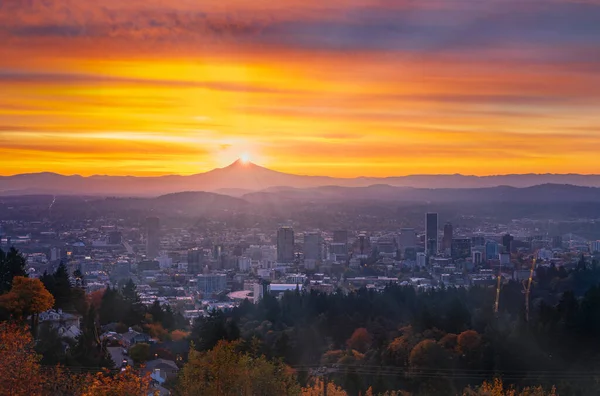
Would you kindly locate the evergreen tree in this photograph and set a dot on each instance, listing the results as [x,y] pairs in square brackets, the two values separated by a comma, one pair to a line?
[89,350]
[157,312]
[111,306]
[134,309]
[12,263]
[59,285]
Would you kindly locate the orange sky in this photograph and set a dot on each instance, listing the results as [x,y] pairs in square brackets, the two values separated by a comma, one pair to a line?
[340,88]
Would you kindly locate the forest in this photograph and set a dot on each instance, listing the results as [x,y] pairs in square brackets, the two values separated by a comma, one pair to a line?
[400,341]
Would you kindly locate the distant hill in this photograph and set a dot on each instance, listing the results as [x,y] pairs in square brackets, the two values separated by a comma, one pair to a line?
[545,193]
[242,178]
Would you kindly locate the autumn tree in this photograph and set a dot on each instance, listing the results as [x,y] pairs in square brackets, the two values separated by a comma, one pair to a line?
[20,372]
[497,388]
[223,371]
[12,264]
[469,348]
[317,388]
[126,383]
[360,340]
[28,296]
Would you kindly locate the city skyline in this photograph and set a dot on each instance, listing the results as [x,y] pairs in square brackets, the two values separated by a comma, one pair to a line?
[344,89]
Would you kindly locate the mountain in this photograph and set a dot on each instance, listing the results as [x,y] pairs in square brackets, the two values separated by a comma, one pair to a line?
[241,178]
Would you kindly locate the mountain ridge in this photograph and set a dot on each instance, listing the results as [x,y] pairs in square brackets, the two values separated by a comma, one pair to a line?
[243,177]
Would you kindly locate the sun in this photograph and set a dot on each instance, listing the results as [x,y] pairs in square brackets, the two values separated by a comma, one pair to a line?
[245,158]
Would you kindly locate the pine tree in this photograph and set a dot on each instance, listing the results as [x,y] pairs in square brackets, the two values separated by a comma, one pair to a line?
[12,263]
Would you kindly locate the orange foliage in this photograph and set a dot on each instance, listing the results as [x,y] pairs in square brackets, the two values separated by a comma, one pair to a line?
[28,296]
[496,388]
[178,335]
[468,341]
[95,298]
[317,389]
[19,365]
[126,383]
[360,340]
[157,331]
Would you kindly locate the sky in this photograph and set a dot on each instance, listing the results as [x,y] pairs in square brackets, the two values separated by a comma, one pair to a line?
[339,87]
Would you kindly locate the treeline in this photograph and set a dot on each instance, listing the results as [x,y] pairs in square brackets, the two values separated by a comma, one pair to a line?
[430,342]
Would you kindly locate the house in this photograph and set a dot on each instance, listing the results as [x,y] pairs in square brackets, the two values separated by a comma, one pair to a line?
[66,324]
[161,369]
[133,337]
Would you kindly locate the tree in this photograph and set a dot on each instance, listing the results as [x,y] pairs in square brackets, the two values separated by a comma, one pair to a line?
[223,371]
[89,350]
[59,285]
[317,389]
[12,264]
[50,346]
[19,366]
[496,388]
[134,311]
[208,331]
[360,340]
[140,353]
[126,383]
[469,347]
[156,311]
[28,296]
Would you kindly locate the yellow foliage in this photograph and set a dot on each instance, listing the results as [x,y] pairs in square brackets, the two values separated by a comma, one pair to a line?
[126,383]
[317,389]
[496,388]
[28,296]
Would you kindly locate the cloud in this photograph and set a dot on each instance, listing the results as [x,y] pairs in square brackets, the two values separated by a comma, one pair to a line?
[24,77]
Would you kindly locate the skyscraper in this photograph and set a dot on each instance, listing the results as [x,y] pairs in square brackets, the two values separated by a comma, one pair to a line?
[152,237]
[195,260]
[285,245]
[431,233]
[339,245]
[461,248]
[313,246]
[507,241]
[447,241]
[491,250]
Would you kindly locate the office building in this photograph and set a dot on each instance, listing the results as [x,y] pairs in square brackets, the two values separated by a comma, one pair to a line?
[115,238]
[407,238]
[244,263]
[477,241]
[362,243]
[557,242]
[447,239]
[313,246]
[507,240]
[491,250]
[152,237]
[340,236]
[386,246]
[477,257]
[460,248]
[195,260]
[212,283]
[421,259]
[595,247]
[285,245]
[431,234]
[339,245]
